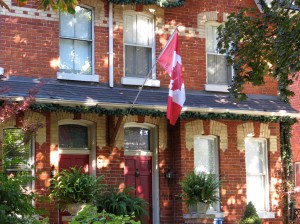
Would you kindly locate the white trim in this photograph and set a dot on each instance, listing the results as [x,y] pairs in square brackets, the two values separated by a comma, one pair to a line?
[216,88]
[77,77]
[139,81]
[266,215]
[74,152]
[137,153]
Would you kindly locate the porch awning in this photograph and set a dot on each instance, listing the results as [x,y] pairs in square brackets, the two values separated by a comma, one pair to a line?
[91,94]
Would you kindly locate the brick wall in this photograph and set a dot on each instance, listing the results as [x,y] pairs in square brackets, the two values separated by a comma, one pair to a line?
[29,40]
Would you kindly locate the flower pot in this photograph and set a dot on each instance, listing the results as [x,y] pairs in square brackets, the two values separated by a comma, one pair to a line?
[202,207]
[74,208]
[192,209]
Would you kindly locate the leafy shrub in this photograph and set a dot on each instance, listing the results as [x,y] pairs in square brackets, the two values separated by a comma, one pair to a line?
[74,186]
[122,203]
[200,187]
[89,215]
[15,201]
[250,216]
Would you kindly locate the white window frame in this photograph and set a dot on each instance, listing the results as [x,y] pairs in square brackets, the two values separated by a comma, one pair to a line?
[297,188]
[266,212]
[91,150]
[82,77]
[31,159]
[214,86]
[214,209]
[152,81]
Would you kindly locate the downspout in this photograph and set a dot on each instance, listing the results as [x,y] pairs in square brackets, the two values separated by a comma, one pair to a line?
[111,46]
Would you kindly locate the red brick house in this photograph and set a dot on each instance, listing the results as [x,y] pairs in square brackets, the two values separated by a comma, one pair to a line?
[92,64]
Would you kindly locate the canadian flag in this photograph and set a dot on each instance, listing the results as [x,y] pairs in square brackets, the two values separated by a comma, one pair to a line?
[170,60]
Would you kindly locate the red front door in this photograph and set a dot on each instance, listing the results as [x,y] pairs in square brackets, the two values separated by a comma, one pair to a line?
[138,174]
[67,161]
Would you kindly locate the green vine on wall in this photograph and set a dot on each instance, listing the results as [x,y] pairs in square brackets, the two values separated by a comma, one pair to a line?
[161,3]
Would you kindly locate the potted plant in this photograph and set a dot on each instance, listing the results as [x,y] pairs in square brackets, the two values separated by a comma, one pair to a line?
[201,190]
[73,188]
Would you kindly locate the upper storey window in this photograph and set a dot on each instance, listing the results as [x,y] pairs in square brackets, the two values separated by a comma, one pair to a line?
[76,45]
[139,48]
[219,74]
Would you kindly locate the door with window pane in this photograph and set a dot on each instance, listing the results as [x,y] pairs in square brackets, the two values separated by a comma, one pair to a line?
[74,150]
[138,168]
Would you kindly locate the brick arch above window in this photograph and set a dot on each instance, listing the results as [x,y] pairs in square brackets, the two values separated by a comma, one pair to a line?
[220,129]
[196,128]
[209,16]
[247,130]
[160,123]
[192,128]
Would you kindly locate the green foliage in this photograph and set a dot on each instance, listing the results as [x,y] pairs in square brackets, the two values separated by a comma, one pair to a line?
[74,186]
[122,203]
[15,201]
[200,187]
[250,215]
[262,44]
[89,215]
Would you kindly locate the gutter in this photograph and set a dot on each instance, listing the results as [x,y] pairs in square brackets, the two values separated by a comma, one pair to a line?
[110,46]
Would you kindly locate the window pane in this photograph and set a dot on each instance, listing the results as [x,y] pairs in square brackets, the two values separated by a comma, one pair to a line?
[66,53]
[66,24]
[256,191]
[73,136]
[211,39]
[137,61]
[204,155]
[255,157]
[143,31]
[218,71]
[16,153]
[83,23]
[136,138]
[130,29]
[82,56]
[256,170]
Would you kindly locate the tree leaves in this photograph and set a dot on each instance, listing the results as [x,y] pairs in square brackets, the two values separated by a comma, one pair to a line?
[261,45]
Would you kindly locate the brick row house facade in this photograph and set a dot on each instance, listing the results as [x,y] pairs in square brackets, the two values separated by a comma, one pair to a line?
[92,64]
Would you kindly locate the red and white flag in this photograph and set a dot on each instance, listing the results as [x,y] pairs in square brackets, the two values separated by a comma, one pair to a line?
[170,60]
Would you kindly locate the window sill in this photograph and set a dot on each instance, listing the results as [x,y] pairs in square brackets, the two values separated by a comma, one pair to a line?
[266,215]
[139,81]
[77,77]
[216,88]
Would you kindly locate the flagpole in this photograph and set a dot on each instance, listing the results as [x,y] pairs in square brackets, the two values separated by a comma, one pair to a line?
[148,75]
